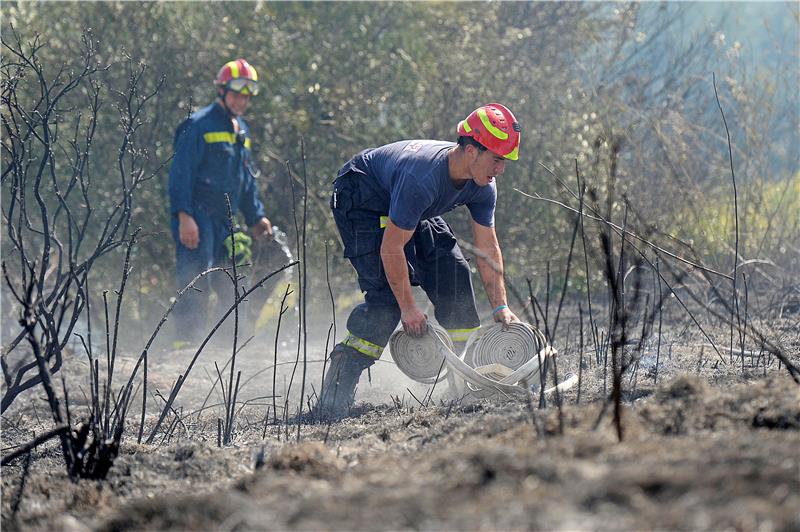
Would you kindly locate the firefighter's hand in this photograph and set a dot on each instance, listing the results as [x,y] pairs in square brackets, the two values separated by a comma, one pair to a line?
[262,229]
[414,321]
[506,317]
[188,231]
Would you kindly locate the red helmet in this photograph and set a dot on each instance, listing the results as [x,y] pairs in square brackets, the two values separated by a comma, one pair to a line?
[238,76]
[495,127]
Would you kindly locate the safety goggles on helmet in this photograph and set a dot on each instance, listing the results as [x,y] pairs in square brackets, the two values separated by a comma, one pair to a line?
[243,86]
[239,76]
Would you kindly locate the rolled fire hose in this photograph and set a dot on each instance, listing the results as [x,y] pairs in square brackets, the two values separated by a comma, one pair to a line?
[419,358]
[495,361]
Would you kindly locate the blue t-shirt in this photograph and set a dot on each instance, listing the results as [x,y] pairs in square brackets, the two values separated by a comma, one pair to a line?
[416,185]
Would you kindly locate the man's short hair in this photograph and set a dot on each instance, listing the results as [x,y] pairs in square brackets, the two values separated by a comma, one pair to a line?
[464,141]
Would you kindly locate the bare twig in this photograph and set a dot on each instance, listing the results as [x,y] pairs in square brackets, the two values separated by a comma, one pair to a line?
[60,430]
[734,295]
[283,309]
[26,467]
[304,287]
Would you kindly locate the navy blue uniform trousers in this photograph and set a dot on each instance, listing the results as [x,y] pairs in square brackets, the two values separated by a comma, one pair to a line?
[434,260]
[192,310]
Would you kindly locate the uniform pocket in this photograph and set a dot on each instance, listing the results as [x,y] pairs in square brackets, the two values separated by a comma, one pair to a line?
[366,234]
[359,226]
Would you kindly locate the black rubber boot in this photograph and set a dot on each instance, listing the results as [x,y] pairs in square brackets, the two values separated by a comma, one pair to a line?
[338,390]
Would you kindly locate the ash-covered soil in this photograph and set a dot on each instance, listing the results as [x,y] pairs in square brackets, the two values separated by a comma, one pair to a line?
[713,445]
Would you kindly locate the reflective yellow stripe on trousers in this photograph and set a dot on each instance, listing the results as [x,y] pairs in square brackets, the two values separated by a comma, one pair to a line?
[365,347]
[461,335]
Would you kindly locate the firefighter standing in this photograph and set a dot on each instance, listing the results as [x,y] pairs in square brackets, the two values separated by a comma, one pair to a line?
[387,203]
[212,158]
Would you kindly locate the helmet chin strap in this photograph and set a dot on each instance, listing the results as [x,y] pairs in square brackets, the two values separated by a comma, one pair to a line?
[222,102]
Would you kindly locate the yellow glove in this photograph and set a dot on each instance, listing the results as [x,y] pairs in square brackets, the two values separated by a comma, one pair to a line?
[239,248]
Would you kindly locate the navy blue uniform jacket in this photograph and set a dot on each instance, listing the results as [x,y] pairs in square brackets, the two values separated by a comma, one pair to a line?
[211,160]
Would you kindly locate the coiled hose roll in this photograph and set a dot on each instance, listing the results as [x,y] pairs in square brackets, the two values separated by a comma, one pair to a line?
[419,358]
[495,361]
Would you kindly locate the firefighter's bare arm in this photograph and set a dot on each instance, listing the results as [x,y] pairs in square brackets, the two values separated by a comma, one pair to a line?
[490,267]
[261,229]
[188,231]
[396,268]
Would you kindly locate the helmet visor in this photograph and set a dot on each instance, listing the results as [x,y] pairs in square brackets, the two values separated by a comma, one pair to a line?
[243,86]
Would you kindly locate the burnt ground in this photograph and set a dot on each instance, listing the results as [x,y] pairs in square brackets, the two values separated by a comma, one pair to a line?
[714,444]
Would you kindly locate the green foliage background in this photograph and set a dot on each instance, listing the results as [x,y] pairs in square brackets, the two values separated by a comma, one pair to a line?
[625,91]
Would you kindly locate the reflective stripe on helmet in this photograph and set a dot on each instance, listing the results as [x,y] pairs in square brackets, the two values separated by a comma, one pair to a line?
[466,127]
[365,347]
[502,135]
[234,66]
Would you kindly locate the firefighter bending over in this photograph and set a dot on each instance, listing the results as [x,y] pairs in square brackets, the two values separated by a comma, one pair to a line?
[387,203]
